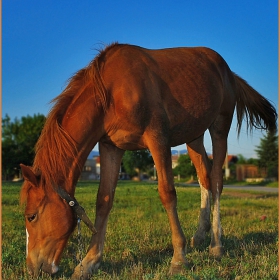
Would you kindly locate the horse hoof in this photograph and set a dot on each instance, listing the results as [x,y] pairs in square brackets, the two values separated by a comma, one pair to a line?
[75,276]
[85,272]
[217,252]
[78,276]
[177,268]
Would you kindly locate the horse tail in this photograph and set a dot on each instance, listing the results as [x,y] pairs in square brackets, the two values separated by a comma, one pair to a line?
[259,112]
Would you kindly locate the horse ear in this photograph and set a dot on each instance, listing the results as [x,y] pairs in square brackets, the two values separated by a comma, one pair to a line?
[29,175]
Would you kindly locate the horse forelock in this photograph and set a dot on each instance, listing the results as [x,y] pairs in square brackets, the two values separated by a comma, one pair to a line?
[55,146]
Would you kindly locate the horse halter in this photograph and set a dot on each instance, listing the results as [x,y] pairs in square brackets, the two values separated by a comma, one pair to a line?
[77,208]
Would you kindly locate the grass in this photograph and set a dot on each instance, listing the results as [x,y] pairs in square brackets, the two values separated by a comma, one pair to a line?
[234,182]
[138,244]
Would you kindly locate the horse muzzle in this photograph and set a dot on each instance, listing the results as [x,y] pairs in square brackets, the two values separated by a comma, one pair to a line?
[36,269]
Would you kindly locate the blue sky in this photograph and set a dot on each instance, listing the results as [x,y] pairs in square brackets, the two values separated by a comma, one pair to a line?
[45,42]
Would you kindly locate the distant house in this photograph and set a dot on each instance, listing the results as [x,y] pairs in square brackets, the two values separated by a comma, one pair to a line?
[89,170]
[250,173]
[174,160]
[244,171]
[175,156]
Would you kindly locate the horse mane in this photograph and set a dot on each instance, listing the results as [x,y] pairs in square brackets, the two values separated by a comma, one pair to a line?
[55,146]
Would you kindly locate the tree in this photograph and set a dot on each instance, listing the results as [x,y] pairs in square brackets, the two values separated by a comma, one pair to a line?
[252,161]
[18,141]
[185,167]
[136,162]
[268,154]
[241,159]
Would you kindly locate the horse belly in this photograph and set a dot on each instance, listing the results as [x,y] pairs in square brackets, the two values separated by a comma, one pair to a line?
[185,133]
[190,122]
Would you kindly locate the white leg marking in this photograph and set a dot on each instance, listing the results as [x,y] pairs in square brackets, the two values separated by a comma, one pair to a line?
[216,220]
[205,199]
[204,217]
[27,240]
[205,204]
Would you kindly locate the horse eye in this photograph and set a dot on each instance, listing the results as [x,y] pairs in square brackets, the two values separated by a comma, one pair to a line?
[31,217]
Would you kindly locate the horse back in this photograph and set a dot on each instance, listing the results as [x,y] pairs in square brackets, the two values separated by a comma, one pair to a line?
[175,90]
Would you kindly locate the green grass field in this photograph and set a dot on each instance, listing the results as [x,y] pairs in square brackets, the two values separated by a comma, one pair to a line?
[138,240]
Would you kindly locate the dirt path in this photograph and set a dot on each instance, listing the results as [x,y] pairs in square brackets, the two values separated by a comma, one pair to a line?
[252,188]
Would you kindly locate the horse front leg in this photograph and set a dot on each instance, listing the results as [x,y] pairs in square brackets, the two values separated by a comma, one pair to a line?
[110,160]
[167,193]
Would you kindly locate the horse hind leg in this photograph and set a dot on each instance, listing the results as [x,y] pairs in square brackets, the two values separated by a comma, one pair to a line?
[203,168]
[219,132]
[216,248]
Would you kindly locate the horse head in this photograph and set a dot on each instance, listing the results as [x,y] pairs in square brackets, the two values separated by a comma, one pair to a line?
[49,223]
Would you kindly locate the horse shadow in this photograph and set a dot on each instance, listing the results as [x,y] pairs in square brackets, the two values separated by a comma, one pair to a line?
[235,247]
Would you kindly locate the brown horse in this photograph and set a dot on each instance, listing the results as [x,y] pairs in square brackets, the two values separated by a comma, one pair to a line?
[131,98]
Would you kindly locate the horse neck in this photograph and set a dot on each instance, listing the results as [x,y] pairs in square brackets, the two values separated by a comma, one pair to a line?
[73,128]
[76,167]
[86,130]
